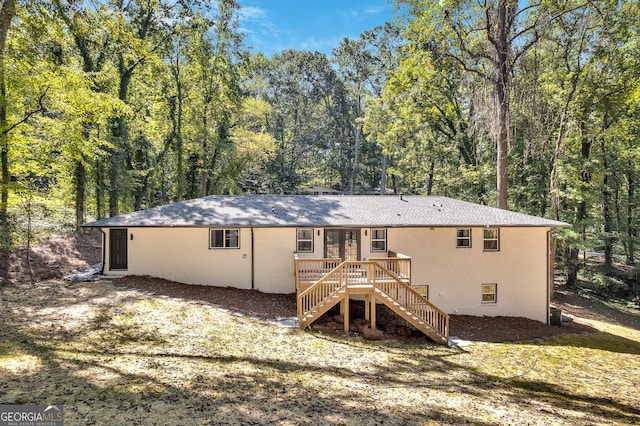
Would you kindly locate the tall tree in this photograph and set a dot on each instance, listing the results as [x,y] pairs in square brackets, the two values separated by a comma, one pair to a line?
[306,119]
[214,51]
[14,112]
[6,16]
[91,42]
[487,39]
[140,30]
[364,65]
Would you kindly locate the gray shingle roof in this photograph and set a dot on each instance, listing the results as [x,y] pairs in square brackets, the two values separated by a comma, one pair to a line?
[323,211]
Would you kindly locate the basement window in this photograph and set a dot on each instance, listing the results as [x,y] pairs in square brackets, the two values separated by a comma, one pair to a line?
[489,293]
[378,240]
[492,239]
[224,238]
[463,237]
[304,240]
[422,290]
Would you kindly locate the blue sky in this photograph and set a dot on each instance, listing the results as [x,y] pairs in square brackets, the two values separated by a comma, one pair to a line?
[274,25]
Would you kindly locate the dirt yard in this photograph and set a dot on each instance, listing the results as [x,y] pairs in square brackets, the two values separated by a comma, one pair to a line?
[486,329]
[54,257]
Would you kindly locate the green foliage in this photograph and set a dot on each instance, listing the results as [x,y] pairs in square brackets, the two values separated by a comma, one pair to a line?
[122,106]
[604,284]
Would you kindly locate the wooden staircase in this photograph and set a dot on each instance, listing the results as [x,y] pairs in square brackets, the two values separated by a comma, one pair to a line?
[321,296]
[372,279]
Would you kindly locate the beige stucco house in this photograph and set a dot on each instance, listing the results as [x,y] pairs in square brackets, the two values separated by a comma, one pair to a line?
[463,257]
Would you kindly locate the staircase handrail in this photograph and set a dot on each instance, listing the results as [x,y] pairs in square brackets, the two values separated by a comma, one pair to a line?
[414,302]
[399,264]
[308,271]
[320,290]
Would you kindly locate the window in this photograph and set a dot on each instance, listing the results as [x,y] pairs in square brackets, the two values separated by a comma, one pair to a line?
[463,237]
[304,241]
[378,240]
[492,239]
[489,293]
[224,238]
[422,290]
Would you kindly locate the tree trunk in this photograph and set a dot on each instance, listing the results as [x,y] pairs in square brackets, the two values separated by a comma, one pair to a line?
[79,180]
[99,189]
[606,210]
[573,265]
[502,145]
[176,120]
[180,166]
[114,183]
[120,138]
[6,15]
[28,209]
[140,193]
[432,167]
[571,260]
[631,230]
[501,99]
[354,174]
[204,172]
[383,176]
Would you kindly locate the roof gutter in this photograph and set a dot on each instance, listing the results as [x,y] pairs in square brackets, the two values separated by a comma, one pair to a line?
[550,263]
[329,225]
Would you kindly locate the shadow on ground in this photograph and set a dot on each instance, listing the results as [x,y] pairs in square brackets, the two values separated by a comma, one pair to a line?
[131,374]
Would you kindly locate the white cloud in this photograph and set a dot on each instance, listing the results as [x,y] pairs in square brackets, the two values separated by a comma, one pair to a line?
[273,25]
[361,13]
[374,10]
[256,24]
[252,13]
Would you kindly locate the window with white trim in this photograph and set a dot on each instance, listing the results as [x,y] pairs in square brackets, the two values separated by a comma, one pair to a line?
[224,238]
[304,240]
[378,240]
[489,293]
[491,239]
[463,237]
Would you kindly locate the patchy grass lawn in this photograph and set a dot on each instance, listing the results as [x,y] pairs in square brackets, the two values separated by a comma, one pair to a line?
[118,356]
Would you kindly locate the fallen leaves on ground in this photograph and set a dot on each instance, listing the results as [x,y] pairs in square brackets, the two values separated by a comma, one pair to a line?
[122,356]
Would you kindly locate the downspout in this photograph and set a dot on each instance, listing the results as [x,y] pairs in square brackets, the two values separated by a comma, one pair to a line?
[549,272]
[252,263]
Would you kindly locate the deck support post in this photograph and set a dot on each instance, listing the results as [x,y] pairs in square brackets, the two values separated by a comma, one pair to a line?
[346,312]
[367,305]
[372,311]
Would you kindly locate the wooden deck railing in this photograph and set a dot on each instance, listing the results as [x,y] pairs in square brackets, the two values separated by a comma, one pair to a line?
[320,292]
[397,263]
[309,271]
[414,303]
[384,284]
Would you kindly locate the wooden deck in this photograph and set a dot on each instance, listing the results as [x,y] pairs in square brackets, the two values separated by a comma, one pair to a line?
[323,283]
